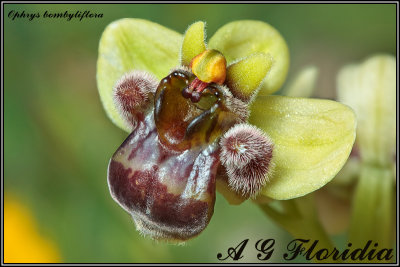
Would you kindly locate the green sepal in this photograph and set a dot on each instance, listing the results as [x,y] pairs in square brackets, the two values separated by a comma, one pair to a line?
[133,44]
[242,38]
[312,140]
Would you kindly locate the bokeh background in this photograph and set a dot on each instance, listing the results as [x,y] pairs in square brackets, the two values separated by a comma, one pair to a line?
[58,139]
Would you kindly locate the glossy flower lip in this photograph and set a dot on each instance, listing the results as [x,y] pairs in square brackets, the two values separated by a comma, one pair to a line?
[313,138]
[172,214]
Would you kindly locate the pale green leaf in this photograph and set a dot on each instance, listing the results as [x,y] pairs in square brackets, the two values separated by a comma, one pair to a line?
[193,42]
[370,89]
[245,76]
[242,38]
[133,44]
[313,139]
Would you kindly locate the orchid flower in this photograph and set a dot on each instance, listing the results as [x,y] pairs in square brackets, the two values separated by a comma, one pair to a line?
[201,117]
[370,89]
[362,194]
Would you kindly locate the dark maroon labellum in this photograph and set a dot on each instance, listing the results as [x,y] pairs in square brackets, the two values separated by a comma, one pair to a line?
[164,173]
[169,195]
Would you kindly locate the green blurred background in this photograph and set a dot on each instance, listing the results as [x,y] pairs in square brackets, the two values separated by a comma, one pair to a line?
[58,139]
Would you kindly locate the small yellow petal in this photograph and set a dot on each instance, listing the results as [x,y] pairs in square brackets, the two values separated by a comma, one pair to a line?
[193,42]
[245,76]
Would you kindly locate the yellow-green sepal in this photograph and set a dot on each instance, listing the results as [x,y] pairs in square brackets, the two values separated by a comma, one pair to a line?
[133,44]
[245,76]
[193,42]
[242,38]
[370,89]
[312,140]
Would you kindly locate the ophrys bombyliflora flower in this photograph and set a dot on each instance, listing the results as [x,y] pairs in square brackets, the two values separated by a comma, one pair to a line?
[190,125]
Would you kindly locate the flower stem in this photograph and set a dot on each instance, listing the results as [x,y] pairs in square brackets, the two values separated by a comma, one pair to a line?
[373,205]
